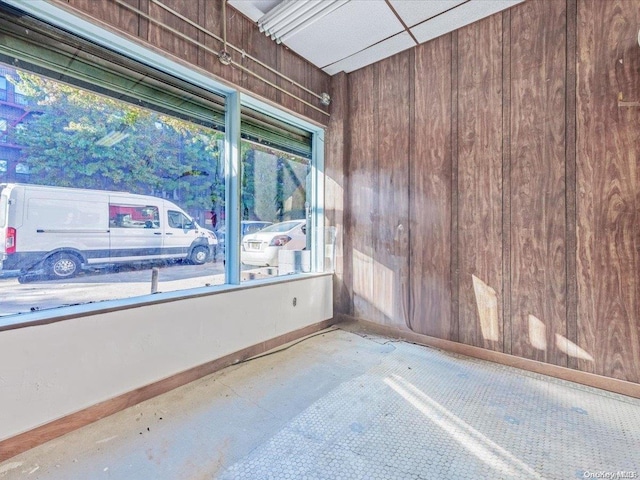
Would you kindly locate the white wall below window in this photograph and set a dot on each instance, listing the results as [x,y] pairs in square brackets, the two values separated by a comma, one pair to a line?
[50,371]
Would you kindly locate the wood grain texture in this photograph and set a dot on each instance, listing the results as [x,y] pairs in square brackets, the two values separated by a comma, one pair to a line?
[391,227]
[264,49]
[241,32]
[570,173]
[608,188]
[538,246]
[293,67]
[235,36]
[506,182]
[167,40]
[110,12]
[480,181]
[430,191]
[362,178]
[455,267]
[335,166]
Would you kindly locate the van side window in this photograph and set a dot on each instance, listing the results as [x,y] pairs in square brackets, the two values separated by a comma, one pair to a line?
[127,216]
[179,220]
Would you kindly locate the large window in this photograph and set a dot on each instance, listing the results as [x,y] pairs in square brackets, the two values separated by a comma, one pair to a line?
[122,177]
[276,176]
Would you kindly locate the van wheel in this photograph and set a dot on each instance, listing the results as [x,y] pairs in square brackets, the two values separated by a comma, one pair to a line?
[62,265]
[199,255]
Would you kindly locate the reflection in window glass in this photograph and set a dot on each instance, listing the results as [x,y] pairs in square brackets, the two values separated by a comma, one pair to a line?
[106,195]
[275,187]
[22,168]
[21,97]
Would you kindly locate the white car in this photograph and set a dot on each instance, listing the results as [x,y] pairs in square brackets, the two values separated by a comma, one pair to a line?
[261,249]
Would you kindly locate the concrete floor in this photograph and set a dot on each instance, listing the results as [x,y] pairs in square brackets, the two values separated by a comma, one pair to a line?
[343,405]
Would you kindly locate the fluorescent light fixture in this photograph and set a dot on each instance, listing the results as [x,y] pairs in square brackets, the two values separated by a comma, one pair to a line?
[291,16]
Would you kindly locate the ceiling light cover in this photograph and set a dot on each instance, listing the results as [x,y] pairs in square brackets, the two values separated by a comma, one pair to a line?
[291,16]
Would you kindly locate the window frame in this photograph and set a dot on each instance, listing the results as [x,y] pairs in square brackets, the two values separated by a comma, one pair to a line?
[64,19]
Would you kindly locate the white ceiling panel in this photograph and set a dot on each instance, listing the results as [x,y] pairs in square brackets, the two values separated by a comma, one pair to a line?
[389,47]
[253,9]
[362,32]
[347,30]
[413,12]
[460,16]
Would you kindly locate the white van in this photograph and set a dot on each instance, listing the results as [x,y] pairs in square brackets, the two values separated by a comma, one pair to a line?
[58,231]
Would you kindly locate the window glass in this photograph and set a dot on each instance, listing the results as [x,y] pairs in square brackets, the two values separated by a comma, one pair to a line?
[20,96]
[102,181]
[3,124]
[3,89]
[133,216]
[120,168]
[178,220]
[276,167]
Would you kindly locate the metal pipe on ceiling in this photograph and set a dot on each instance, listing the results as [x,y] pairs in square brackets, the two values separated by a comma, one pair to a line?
[217,54]
[244,54]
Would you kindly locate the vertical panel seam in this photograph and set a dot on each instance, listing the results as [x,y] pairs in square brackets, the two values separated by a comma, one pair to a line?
[570,175]
[410,160]
[375,168]
[454,129]
[349,203]
[507,331]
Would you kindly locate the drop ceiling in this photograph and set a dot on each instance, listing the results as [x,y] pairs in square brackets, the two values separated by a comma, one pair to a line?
[362,32]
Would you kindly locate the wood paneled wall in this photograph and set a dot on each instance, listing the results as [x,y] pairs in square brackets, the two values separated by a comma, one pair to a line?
[241,32]
[505,147]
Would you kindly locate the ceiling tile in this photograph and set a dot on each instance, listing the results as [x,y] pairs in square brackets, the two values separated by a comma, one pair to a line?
[413,12]
[385,49]
[345,31]
[459,17]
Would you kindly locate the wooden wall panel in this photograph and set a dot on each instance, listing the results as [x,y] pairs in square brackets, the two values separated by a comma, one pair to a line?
[480,183]
[430,191]
[391,227]
[538,254]
[118,16]
[335,166]
[165,39]
[362,179]
[608,188]
[241,32]
[266,50]
[235,36]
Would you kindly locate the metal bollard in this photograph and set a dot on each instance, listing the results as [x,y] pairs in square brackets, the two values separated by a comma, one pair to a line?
[155,271]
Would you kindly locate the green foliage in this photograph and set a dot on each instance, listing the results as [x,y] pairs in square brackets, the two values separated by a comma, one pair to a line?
[156,154]
[66,143]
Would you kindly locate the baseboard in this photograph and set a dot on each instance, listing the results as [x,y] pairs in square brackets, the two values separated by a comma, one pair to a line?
[13,446]
[591,379]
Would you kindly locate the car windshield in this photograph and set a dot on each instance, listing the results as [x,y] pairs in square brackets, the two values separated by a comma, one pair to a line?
[281,227]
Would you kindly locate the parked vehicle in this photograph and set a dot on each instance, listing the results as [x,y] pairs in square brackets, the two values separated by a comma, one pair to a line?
[59,231]
[261,248]
[248,226]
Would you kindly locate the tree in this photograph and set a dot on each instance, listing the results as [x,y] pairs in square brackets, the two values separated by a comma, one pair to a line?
[79,138]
